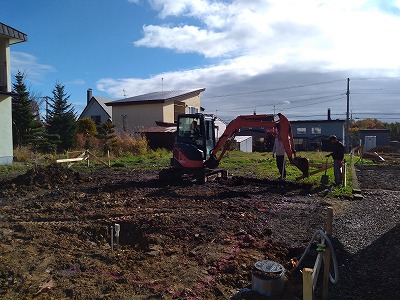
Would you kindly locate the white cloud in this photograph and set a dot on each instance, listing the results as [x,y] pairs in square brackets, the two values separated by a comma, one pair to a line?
[301,32]
[254,43]
[29,64]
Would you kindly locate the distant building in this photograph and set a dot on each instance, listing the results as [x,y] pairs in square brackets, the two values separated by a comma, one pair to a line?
[96,109]
[313,135]
[371,138]
[8,36]
[141,112]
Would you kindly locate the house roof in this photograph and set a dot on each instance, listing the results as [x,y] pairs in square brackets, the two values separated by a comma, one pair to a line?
[157,97]
[317,121]
[158,129]
[374,130]
[14,35]
[101,101]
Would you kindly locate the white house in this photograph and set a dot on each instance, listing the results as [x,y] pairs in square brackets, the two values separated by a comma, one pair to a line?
[8,36]
[96,109]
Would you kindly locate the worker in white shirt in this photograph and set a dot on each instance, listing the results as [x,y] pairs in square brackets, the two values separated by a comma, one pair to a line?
[279,152]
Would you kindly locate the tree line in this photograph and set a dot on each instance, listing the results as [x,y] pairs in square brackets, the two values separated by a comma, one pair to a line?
[59,130]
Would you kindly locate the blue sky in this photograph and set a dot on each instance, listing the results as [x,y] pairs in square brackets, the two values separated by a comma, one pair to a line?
[283,56]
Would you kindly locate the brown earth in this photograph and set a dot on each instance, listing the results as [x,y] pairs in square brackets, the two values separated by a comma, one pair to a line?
[187,241]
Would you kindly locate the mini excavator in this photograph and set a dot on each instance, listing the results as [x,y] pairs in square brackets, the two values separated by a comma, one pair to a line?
[197,153]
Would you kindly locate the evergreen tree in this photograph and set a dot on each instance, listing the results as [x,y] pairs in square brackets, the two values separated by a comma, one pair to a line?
[22,114]
[61,118]
[394,131]
[41,141]
[107,136]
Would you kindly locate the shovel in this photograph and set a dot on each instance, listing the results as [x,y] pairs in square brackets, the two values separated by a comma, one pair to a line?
[325,178]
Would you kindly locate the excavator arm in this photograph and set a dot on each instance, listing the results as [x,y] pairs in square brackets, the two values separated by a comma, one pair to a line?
[282,125]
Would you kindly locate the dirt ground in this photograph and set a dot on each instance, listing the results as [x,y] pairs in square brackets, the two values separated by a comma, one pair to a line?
[184,240]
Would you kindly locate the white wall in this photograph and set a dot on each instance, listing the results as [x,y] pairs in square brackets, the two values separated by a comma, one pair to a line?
[245,143]
[6,142]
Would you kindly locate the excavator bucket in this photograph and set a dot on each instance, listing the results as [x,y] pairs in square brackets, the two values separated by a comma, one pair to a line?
[302,164]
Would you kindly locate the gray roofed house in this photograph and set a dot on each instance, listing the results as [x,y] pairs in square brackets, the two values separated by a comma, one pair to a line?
[133,114]
[96,109]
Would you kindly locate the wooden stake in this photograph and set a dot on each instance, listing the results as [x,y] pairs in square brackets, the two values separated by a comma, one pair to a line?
[307,284]
[325,278]
[344,173]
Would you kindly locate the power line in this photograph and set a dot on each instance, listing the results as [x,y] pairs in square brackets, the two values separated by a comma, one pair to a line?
[274,89]
[293,101]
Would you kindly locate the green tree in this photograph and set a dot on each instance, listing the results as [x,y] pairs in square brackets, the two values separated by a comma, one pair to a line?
[86,134]
[61,118]
[22,114]
[86,126]
[107,136]
[41,141]
[394,131]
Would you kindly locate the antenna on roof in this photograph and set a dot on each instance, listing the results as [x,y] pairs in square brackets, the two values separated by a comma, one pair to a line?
[124,93]
[162,84]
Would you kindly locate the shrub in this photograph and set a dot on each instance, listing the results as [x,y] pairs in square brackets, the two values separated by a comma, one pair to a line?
[22,154]
[130,145]
[84,141]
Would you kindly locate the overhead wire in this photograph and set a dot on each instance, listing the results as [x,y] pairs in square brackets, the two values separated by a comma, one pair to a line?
[274,89]
[308,101]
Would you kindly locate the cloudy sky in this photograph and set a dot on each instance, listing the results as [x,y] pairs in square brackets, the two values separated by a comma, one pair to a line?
[251,56]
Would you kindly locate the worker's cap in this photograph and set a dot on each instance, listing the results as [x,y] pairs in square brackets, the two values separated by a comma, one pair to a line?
[332,138]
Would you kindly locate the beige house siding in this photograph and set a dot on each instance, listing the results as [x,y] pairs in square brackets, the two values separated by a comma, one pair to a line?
[193,101]
[168,112]
[133,117]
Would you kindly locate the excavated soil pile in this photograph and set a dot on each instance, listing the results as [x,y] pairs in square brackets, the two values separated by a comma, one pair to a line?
[47,176]
[385,149]
[182,240]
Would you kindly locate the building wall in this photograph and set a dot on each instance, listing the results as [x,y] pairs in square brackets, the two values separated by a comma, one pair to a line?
[135,117]
[131,118]
[193,101]
[244,143]
[6,142]
[169,115]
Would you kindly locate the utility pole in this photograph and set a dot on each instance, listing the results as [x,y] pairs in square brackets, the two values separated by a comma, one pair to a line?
[347,118]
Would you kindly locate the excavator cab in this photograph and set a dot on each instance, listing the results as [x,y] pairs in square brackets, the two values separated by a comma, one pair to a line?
[194,141]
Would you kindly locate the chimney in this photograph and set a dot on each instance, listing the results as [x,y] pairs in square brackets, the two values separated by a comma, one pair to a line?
[329,114]
[89,95]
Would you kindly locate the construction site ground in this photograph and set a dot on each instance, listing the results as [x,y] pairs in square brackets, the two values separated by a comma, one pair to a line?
[186,240]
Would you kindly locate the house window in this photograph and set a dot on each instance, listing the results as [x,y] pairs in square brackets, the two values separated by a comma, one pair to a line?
[192,110]
[301,130]
[316,130]
[96,119]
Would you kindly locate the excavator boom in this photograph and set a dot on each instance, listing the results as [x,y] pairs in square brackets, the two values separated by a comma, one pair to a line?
[267,122]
